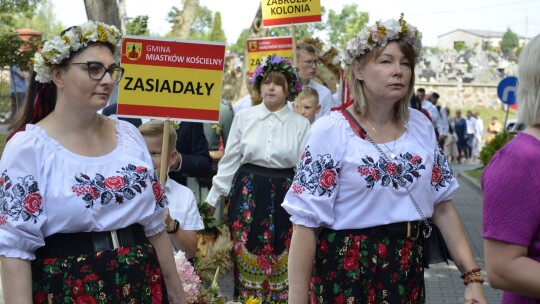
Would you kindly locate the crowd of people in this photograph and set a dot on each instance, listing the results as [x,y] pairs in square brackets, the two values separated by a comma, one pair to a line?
[321,205]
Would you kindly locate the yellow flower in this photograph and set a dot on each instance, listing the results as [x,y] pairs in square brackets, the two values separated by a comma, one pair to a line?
[217,128]
[252,300]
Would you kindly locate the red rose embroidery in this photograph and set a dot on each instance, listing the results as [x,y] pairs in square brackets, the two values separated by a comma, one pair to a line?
[2,180]
[328,179]
[158,193]
[383,251]
[351,260]
[391,168]
[436,176]
[114,182]
[416,159]
[140,169]
[32,202]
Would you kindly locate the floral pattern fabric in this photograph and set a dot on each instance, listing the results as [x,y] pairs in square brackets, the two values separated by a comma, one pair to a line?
[352,267]
[118,188]
[19,199]
[316,175]
[261,233]
[132,275]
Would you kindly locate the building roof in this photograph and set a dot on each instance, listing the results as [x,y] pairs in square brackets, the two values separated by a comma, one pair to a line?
[482,33]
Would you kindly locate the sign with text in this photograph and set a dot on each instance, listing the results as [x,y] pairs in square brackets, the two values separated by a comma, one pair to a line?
[170,78]
[262,47]
[287,12]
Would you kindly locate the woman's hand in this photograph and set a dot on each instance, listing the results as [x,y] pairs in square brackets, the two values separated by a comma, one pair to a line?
[474,293]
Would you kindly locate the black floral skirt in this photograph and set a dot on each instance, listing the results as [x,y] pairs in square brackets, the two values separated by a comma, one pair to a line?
[125,275]
[261,233]
[355,268]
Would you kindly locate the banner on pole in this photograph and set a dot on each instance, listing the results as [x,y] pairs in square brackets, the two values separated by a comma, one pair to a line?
[170,78]
[287,12]
[262,47]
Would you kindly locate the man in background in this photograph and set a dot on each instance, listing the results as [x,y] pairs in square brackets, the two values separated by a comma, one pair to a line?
[307,61]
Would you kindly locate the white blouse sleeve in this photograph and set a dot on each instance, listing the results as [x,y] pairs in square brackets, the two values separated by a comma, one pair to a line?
[310,200]
[22,212]
[229,164]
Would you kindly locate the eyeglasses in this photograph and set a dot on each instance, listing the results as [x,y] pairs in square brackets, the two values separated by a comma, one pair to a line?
[311,62]
[96,70]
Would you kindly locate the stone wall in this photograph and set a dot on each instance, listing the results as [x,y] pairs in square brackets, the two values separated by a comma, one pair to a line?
[467,95]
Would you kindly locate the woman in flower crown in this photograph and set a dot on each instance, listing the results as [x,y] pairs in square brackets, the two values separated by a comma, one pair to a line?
[81,217]
[265,142]
[369,177]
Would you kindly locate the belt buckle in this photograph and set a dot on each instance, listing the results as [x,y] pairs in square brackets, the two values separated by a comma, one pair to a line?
[414,238]
[114,239]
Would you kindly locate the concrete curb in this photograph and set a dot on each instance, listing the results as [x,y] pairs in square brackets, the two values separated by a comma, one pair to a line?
[471,182]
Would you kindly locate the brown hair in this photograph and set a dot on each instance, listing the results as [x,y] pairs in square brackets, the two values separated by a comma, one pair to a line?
[276,77]
[401,108]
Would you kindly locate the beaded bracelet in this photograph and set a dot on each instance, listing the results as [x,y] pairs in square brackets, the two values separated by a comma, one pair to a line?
[472,276]
[473,280]
[470,272]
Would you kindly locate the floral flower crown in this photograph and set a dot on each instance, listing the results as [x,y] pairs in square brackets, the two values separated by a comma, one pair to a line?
[278,64]
[380,34]
[57,49]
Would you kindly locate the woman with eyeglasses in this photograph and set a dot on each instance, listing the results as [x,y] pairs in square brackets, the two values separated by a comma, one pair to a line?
[81,208]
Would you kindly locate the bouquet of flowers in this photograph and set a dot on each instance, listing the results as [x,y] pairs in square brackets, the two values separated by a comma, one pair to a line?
[190,280]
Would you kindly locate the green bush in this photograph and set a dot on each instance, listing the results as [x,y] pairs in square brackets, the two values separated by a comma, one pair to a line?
[493,146]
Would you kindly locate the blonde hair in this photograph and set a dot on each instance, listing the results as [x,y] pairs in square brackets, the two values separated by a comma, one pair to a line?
[308,92]
[528,92]
[155,128]
[401,108]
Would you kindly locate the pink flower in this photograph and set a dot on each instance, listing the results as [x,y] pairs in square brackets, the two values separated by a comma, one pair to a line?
[190,280]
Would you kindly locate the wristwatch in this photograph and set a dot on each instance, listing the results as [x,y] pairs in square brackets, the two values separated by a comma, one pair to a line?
[175,229]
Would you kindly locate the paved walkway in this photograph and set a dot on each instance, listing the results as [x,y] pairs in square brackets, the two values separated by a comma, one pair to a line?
[443,282]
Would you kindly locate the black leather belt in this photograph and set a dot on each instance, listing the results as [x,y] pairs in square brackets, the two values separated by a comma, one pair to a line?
[72,244]
[395,230]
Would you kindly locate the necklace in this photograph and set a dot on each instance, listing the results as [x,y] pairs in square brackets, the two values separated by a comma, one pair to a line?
[392,154]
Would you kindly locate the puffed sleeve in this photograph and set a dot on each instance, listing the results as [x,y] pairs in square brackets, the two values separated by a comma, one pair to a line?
[311,198]
[22,211]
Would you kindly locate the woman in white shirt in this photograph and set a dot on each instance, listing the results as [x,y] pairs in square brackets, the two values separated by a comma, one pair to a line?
[256,171]
[357,232]
[81,217]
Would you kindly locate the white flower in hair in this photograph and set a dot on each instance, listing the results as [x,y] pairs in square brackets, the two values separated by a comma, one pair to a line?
[57,49]
[379,34]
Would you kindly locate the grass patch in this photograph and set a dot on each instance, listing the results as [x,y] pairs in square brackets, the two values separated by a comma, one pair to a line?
[487,114]
[476,174]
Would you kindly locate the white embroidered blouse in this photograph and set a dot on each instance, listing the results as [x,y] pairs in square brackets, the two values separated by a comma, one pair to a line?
[260,137]
[46,189]
[342,181]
